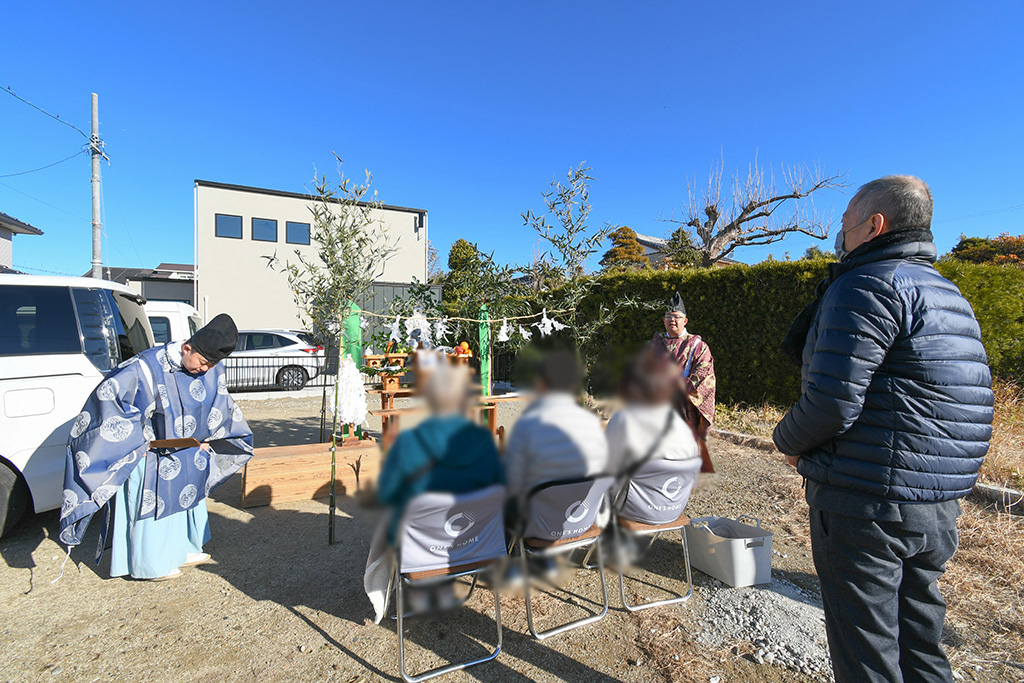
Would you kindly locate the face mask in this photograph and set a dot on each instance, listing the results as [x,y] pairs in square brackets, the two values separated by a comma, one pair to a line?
[841,252]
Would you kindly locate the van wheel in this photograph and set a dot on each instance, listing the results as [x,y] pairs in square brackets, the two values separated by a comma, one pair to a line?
[292,378]
[13,499]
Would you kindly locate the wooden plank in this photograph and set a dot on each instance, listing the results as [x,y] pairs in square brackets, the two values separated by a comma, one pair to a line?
[303,449]
[289,473]
[396,411]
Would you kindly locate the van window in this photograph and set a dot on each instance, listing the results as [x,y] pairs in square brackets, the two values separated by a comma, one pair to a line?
[161,328]
[194,324]
[96,319]
[113,326]
[37,320]
[132,333]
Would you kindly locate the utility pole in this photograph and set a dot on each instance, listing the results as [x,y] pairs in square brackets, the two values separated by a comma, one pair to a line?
[96,146]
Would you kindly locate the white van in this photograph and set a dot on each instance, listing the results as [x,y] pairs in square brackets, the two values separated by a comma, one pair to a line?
[172,320]
[58,337]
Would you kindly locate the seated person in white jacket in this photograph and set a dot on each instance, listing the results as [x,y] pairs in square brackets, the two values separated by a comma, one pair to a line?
[555,439]
[648,421]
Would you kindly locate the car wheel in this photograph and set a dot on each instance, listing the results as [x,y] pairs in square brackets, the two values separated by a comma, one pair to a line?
[13,499]
[292,378]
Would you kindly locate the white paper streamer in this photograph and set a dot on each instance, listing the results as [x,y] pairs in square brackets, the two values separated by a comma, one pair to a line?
[351,407]
[418,322]
[441,331]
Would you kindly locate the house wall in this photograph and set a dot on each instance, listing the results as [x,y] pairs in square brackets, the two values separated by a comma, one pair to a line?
[653,254]
[233,276]
[6,248]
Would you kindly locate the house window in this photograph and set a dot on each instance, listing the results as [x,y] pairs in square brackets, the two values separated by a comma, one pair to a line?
[228,226]
[264,230]
[296,233]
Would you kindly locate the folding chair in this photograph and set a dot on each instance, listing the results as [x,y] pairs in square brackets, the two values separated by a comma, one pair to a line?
[650,504]
[560,518]
[445,536]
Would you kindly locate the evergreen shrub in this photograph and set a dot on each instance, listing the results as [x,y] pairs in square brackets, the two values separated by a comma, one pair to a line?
[743,313]
[996,293]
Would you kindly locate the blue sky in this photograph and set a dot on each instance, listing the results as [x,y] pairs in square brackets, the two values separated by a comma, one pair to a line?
[470,109]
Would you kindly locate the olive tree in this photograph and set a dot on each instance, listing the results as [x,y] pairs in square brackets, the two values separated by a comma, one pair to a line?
[350,248]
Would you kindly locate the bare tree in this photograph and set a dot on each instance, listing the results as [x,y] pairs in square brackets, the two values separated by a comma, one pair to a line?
[757,211]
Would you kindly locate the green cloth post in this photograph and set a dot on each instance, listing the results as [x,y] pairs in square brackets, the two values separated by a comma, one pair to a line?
[485,350]
[353,335]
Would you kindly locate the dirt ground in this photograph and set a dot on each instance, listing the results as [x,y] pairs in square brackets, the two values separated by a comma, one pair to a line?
[277,603]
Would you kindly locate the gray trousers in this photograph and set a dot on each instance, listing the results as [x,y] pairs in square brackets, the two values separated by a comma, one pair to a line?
[883,610]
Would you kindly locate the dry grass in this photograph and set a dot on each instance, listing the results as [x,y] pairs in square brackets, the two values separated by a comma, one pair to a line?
[984,587]
[758,420]
[672,648]
[1004,464]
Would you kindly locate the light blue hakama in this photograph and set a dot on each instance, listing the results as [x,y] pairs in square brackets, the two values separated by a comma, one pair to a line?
[151,548]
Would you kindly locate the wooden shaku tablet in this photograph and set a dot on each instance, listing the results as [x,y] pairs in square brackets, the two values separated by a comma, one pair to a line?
[174,443]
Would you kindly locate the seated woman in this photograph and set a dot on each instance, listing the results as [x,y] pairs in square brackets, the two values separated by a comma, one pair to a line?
[648,427]
[446,452]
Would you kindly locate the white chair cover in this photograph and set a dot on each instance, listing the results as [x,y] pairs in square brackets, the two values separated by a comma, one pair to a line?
[442,530]
[659,490]
[565,510]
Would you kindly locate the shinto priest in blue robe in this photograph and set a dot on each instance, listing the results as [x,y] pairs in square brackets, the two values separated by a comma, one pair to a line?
[159,498]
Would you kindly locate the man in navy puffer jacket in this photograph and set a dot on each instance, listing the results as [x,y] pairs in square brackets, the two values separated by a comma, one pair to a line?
[889,433]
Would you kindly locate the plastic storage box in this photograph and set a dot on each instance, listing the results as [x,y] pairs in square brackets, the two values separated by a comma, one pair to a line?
[735,551]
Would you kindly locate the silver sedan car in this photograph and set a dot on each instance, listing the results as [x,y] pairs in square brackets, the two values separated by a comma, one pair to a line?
[285,359]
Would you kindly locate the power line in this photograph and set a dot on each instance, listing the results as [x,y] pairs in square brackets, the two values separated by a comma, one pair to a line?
[43,270]
[43,202]
[124,222]
[981,213]
[43,168]
[52,116]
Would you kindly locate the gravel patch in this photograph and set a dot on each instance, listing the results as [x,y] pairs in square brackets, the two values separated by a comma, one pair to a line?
[783,625]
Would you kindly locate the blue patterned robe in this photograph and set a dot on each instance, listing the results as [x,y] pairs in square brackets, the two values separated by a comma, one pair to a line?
[149,397]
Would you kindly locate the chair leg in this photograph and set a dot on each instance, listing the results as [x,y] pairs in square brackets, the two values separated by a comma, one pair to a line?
[526,585]
[400,616]
[683,597]
[432,673]
[541,635]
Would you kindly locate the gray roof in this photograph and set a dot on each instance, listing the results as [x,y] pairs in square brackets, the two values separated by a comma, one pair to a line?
[660,243]
[14,225]
[652,242]
[292,195]
[165,271]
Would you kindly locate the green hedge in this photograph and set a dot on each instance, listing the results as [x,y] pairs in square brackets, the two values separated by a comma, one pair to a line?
[744,312]
[996,293]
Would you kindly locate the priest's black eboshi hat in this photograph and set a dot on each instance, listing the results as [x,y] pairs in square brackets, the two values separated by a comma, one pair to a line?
[676,305]
[217,339]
